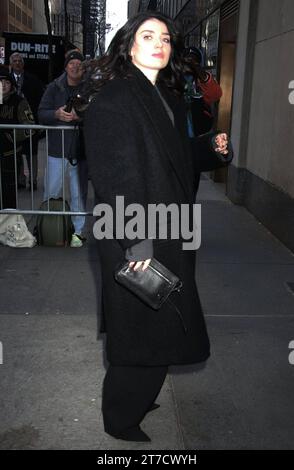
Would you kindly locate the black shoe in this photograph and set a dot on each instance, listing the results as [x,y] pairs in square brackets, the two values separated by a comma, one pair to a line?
[81,237]
[134,434]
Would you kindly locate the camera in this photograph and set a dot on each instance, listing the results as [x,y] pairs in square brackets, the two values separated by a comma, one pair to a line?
[69,104]
[78,102]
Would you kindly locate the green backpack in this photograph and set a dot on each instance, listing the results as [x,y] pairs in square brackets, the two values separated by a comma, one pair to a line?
[54,230]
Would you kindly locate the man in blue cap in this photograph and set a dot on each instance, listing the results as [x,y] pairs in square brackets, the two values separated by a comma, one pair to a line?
[56,109]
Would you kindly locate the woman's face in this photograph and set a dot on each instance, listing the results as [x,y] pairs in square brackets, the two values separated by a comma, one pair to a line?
[151,48]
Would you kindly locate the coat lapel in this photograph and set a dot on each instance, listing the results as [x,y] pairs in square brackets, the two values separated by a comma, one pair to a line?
[167,134]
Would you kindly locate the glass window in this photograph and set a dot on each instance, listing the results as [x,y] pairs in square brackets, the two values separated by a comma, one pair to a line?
[11,9]
[194,38]
[18,14]
[209,41]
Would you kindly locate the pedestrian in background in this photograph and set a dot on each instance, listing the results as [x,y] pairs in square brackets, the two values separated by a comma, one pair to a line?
[31,88]
[56,109]
[137,146]
[13,110]
[202,92]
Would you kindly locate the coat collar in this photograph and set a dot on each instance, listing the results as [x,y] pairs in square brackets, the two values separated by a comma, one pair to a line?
[167,134]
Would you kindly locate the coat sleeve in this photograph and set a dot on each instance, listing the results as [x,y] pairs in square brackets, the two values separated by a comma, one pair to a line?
[115,162]
[24,116]
[206,158]
[141,251]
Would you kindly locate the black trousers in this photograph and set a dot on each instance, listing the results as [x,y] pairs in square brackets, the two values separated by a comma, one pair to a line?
[7,171]
[27,152]
[128,393]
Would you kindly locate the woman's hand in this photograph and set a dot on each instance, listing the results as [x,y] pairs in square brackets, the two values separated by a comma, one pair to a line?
[221,141]
[137,264]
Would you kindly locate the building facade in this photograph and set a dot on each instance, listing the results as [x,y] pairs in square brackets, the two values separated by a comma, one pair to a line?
[16,16]
[75,30]
[20,16]
[39,20]
[133,7]
[262,175]
[248,44]
[116,16]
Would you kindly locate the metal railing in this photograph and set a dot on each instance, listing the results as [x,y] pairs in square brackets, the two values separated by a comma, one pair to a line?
[32,131]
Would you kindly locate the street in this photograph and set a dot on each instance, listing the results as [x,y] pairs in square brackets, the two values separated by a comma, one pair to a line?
[54,365]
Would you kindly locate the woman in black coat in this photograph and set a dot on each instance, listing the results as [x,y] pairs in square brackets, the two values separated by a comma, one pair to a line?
[137,147]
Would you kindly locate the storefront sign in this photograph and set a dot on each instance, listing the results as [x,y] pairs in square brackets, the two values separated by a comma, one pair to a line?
[30,50]
[34,49]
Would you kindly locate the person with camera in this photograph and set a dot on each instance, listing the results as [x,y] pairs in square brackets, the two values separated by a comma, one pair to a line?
[202,91]
[56,109]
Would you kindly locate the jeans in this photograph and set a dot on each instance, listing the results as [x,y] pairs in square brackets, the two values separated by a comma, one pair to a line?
[78,183]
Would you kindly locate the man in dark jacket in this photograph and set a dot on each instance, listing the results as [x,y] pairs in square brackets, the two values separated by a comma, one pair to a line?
[13,110]
[56,109]
[31,88]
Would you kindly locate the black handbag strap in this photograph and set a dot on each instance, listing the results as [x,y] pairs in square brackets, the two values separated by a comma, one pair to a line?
[179,315]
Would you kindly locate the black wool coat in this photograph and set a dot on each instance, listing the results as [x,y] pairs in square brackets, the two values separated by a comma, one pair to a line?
[133,150]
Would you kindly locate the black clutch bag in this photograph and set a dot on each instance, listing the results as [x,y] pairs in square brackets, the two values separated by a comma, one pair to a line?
[153,286]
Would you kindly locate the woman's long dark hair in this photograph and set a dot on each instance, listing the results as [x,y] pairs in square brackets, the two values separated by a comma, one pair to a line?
[115,63]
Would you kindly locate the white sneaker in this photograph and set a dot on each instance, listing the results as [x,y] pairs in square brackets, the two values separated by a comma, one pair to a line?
[76,242]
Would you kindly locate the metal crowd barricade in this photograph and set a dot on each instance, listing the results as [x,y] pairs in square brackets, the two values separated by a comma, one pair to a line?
[33,211]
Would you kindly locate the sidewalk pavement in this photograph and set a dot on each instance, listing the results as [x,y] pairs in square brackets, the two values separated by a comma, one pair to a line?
[53,360]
